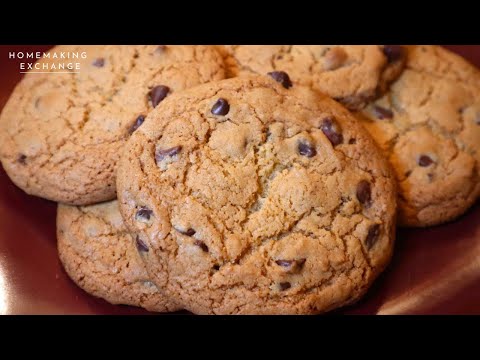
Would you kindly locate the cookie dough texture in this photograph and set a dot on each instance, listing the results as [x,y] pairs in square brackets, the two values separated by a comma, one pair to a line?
[100,256]
[428,125]
[61,134]
[263,200]
[351,74]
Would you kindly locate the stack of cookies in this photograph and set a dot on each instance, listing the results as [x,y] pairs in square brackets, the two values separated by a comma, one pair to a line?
[244,179]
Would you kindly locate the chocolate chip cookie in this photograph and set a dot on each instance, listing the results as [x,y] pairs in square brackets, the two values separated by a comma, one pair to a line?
[61,133]
[351,74]
[100,256]
[257,196]
[428,125]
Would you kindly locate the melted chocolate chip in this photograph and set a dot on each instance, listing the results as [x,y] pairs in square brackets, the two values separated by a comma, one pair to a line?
[332,131]
[162,154]
[221,107]
[141,246]
[281,77]
[364,193]
[352,141]
[285,286]
[334,58]
[138,122]
[306,149]
[157,94]
[393,52]
[382,113]
[216,267]
[301,262]
[291,265]
[22,159]
[425,160]
[202,245]
[143,214]
[188,232]
[352,102]
[372,236]
[284,263]
[99,62]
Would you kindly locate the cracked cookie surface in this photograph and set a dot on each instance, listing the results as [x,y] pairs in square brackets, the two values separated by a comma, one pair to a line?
[100,256]
[428,125]
[351,74]
[262,199]
[61,134]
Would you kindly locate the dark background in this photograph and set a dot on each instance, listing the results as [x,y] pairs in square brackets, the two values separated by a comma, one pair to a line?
[433,271]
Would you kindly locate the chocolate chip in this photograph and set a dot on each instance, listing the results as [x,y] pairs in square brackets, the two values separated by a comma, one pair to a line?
[291,265]
[393,52]
[364,193]
[188,232]
[221,107]
[352,141]
[143,214]
[306,149]
[382,113]
[216,267]
[425,160]
[281,77]
[99,62]
[138,122]
[157,94]
[141,245]
[332,131]
[22,159]
[202,245]
[372,236]
[285,286]
[162,154]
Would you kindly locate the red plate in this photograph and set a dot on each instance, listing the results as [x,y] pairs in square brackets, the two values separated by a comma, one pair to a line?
[433,271]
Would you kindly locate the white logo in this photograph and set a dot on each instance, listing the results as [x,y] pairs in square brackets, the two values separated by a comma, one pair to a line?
[57,62]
